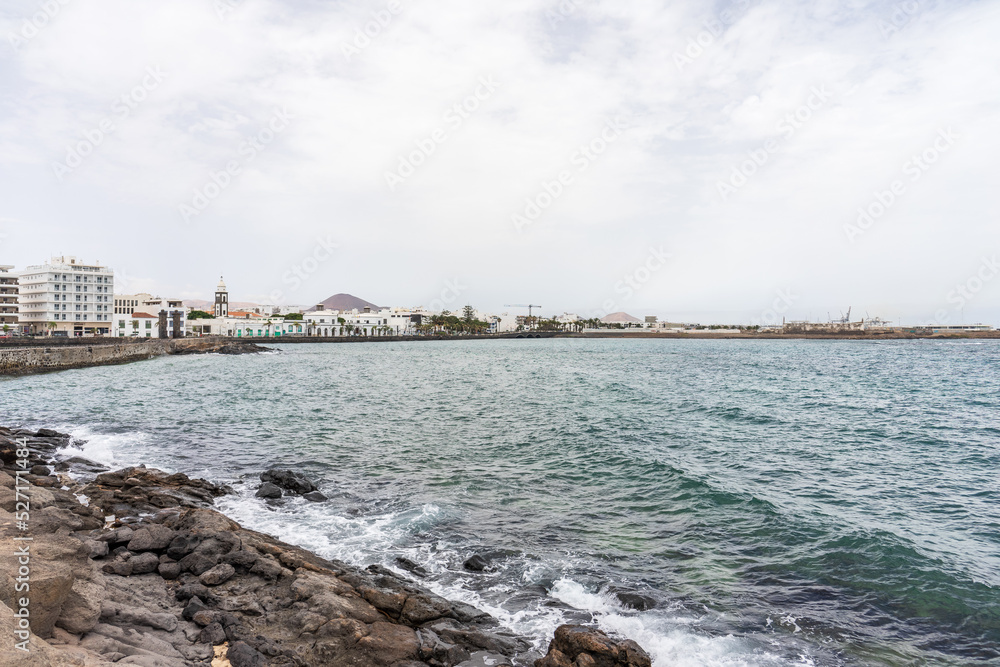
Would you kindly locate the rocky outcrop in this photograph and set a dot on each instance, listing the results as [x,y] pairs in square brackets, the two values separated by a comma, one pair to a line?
[144,572]
[222,346]
[580,646]
[293,483]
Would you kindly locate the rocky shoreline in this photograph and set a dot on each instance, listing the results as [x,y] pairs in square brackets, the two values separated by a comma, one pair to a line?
[134,567]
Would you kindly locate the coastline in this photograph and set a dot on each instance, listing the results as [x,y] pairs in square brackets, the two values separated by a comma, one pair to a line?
[856,335]
[136,567]
[28,357]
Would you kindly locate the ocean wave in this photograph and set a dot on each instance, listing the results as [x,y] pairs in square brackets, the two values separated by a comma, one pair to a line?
[110,449]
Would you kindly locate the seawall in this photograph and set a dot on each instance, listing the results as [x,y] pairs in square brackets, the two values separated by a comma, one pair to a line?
[35,358]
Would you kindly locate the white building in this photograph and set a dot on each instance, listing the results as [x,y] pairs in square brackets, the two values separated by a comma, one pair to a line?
[8,300]
[127,305]
[959,328]
[66,297]
[257,326]
[508,322]
[246,324]
[137,325]
[384,322]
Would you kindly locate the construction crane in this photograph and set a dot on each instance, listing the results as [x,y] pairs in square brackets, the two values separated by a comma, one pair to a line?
[529,306]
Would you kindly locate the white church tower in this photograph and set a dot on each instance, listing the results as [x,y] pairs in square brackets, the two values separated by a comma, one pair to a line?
[221,299]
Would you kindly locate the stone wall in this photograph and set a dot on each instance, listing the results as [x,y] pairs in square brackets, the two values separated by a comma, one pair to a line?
[35,359]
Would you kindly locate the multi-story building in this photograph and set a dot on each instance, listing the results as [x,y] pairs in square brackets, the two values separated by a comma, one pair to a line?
[66,297]
[8,300]
[127,306]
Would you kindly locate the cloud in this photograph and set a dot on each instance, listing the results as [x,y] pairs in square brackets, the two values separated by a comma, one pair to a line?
[563,75]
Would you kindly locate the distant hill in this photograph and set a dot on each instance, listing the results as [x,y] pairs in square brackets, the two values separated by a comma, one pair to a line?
[620,318]
[346,302]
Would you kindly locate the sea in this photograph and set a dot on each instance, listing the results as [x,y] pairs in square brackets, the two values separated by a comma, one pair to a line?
[723,503]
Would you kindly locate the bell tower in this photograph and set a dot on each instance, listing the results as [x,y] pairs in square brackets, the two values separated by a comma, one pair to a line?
[221,299]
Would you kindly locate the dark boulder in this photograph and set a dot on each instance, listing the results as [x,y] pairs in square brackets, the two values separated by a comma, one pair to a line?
[151,538]
[8,451]
[122,535]
[314,496]
[217,575]
[632,600]
[289,480]
[170,570]
[122,568]
[410,566]
[241,559]
[476,563]
[96,549]
[241,654]
[212,634]
[197,563]
[269,490]
[112,479]
[194,605]
[580,645]
[80,464]
[144,563]
[182,545]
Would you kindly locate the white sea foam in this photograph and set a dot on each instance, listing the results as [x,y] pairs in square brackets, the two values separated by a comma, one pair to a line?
[111,449]
[670,636]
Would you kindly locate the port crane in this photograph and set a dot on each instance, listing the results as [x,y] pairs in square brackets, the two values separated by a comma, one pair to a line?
[844,319]
[529,306]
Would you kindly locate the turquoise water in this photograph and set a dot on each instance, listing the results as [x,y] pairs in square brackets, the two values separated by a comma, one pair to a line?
[780,502]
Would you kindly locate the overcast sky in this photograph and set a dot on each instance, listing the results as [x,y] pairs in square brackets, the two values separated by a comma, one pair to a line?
[692,160]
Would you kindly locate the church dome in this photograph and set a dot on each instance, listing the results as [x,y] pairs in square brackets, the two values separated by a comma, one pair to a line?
[221,286]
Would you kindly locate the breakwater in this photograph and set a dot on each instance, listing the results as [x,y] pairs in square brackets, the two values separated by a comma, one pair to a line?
[26,357]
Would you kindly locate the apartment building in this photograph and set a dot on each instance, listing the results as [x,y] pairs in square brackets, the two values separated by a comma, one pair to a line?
[66,297]
[8,300]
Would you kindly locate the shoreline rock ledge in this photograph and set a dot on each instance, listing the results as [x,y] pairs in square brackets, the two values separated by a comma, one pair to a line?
[134,567]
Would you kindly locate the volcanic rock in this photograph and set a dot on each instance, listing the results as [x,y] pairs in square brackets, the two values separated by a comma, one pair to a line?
[476,563]
[269,490]
[589,647]
[165,579]
[217,575]
[289,480]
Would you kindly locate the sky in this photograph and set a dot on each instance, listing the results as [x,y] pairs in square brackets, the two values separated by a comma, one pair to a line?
[740,161]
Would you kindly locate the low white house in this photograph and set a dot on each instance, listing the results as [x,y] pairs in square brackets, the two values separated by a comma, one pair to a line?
[126,306]
[137,324]
[384,322]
